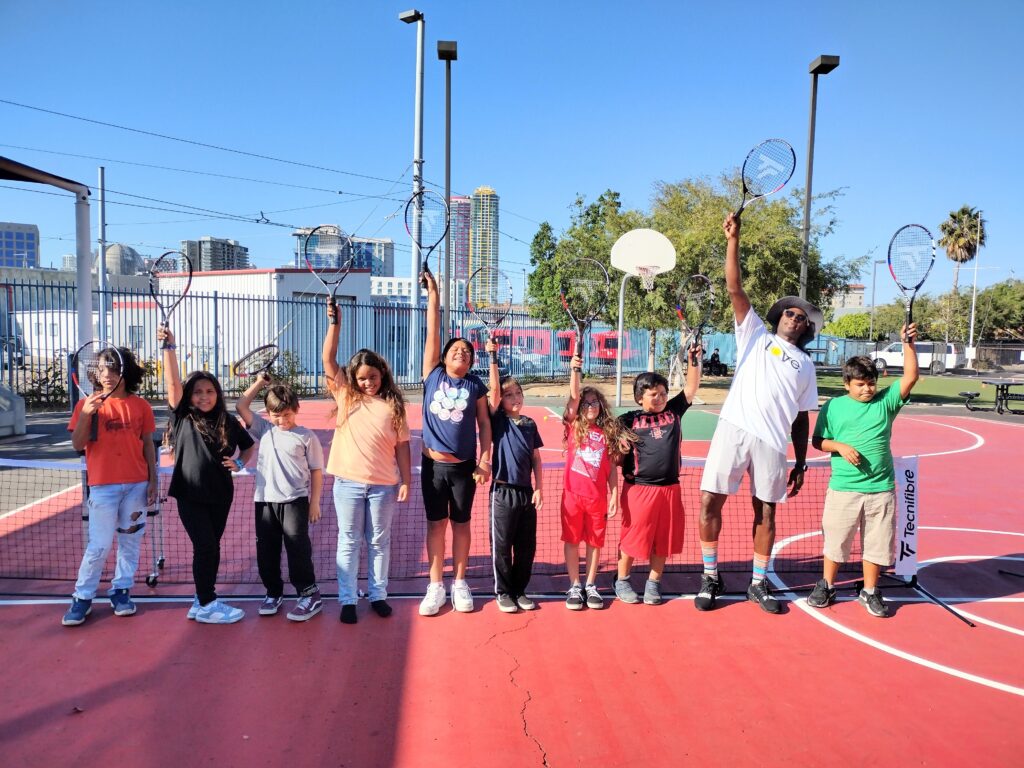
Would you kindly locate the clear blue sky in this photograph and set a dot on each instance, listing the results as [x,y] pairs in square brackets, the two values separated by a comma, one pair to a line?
[923,114]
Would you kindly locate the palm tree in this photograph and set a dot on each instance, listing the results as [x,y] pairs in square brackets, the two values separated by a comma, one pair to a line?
[961,238]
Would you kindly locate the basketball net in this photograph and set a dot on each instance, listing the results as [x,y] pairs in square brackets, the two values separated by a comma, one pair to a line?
[647,275]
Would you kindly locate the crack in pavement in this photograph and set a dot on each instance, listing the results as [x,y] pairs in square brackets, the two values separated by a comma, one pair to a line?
[512,679]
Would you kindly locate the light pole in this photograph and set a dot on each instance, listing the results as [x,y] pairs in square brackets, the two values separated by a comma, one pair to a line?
[874,277]
[820,66]
[971,353]
[447,51]
[415,17]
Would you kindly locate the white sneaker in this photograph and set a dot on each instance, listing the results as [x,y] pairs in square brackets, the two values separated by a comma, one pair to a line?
[462,597]
[219,612]
[433,600]
[193,609]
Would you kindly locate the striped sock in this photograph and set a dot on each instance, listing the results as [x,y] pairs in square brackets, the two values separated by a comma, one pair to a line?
[760,567]
[709,554]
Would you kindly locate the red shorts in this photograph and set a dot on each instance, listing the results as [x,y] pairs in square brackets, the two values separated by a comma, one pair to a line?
[652,520]
[584,519]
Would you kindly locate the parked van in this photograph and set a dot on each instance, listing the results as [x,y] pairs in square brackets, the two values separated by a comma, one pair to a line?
[930,356]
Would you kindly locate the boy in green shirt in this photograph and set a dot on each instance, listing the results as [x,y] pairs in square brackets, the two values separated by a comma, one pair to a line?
[857,429]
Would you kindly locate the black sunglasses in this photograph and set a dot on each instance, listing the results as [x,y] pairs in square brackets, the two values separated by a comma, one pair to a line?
[795,316]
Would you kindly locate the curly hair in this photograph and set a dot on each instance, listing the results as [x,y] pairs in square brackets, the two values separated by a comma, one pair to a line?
[615,434]
[388,390]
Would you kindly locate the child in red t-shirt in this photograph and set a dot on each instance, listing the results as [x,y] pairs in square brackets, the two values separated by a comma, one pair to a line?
[595,442]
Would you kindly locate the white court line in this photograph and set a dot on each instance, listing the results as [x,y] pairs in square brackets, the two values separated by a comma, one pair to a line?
[39,501]
[820,615]
[978,439]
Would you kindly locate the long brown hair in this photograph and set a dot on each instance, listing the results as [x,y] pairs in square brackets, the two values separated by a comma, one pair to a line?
[388,390]
[212,426]
[615,435]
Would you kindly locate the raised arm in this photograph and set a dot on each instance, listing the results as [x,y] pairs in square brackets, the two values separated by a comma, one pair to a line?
[494,377]
[910,369]
[329,355]
[244,405]
[573,405]
[696,353]
[432,350]
[172,376]
[733,276]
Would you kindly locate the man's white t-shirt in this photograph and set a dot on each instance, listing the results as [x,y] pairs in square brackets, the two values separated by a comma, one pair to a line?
[774,381]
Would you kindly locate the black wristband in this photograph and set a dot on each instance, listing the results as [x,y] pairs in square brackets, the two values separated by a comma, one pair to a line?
[494,358]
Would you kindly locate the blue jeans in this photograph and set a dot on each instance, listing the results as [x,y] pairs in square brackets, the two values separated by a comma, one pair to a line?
[364,513]
[121,509]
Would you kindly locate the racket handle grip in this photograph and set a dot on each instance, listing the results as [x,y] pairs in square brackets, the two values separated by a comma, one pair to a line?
[332,310]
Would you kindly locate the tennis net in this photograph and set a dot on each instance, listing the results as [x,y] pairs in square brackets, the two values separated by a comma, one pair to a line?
[43,532]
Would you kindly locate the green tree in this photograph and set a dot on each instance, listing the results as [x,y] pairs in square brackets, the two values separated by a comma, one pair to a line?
[853,326]
[961,238]
[1000,311]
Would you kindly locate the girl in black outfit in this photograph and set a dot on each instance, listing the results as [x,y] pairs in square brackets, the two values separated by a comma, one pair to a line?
[206,438]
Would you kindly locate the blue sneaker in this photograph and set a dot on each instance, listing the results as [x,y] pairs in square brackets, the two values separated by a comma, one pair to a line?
[193,609]
[77,612]
[219,612]
[121,602]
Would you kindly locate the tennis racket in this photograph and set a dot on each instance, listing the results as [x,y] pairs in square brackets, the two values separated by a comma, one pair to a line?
[584,293]
[168,299]
[911,256]
[427,219]
[694,306]
[328,254]
[257,362]
[96,367]
[489,297]
[767,169]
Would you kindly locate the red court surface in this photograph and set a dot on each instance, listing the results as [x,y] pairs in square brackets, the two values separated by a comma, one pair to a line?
[629,686]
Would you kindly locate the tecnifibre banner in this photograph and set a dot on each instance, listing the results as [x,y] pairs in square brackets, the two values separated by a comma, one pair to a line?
[908,514]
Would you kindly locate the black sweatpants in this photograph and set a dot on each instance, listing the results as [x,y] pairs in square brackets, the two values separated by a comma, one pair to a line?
[204,524]
[286,522]
[513,537]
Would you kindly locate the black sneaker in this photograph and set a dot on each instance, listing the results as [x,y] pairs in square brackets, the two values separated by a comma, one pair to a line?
[822,595]
[762,595]
[710,588]
[874,603]
[594,600]
[574,598]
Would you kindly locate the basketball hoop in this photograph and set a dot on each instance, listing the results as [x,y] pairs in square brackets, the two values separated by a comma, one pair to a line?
[647,275]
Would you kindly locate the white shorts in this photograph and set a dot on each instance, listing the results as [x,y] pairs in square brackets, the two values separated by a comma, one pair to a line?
[734,451]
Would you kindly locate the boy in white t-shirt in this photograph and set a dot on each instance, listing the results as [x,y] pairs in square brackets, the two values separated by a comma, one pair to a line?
[773,389]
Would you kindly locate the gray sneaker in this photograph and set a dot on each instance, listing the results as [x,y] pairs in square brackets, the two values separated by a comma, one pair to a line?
[525,603]
[874,603]
[652,593]
[822,595]
[506,604]
[624,591]
[270,605]
[594,600]
[306,607]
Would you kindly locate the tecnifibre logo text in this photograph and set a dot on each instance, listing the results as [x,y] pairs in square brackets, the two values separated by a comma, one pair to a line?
[909,532]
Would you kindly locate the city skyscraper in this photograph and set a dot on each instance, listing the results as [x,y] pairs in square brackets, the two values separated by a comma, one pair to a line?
[461,209]
[213,254]
[19,245]
[483,236]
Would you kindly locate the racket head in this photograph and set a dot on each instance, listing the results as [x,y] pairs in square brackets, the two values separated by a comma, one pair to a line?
[911,256]
[328,253]
[768,168]
[583,287]
[695,301]
[170,263]
[97,366]
[489,295]
[434,218]
[257,361]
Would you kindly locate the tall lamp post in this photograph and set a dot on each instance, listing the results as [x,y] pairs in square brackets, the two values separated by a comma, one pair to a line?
[415,17]
[972,353]
[820,66]
[874,278]
[447,51]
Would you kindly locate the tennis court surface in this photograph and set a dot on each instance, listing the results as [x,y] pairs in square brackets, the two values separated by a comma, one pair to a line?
[630,685]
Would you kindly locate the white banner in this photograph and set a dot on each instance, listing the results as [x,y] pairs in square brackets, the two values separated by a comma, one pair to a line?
[908,514]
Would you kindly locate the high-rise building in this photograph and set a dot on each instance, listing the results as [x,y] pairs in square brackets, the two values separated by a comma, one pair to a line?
[19,245]
[483,236]
[461,208]
[374,253]
[212,254]
[328,248]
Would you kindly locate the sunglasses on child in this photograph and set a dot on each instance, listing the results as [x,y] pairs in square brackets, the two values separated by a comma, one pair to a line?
[795,316]
[591,403]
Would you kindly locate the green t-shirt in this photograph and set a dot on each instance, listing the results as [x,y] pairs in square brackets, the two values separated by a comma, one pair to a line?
[868,428]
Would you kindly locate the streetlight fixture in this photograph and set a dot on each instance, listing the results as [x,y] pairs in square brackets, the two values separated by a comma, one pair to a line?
[874,277]
[416,17]
[820,66]
[447,51]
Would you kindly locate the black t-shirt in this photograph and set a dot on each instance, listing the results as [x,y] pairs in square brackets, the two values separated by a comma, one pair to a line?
[654,458]
[198,474]
[513,448]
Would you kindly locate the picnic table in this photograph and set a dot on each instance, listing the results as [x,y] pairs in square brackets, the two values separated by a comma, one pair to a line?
[1003,396]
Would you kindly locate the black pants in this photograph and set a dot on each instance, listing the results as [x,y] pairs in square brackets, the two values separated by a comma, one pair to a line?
[513,538]
[287,522]
[204,524]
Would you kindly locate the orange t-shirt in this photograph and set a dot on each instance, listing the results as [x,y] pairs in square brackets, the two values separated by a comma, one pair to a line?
[116,455]
[363,449]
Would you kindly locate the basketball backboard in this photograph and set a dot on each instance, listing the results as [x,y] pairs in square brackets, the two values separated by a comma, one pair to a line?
[644,253]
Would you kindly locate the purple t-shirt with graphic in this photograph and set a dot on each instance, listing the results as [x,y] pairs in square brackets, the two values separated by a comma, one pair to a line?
[449,413]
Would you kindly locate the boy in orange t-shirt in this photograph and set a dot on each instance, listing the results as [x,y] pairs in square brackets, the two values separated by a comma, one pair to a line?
[121,474]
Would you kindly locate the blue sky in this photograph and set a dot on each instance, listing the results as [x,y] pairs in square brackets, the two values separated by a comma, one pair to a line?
[550,100]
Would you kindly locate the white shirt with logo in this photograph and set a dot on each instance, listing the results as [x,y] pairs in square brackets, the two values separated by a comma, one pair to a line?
[774,381]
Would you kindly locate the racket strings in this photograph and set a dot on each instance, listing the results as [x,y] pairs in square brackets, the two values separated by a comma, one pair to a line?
[489,295]
[768,167]
[585,287]
[258,360]
[911,255]
[433,214]
[91,361]
[329,253]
